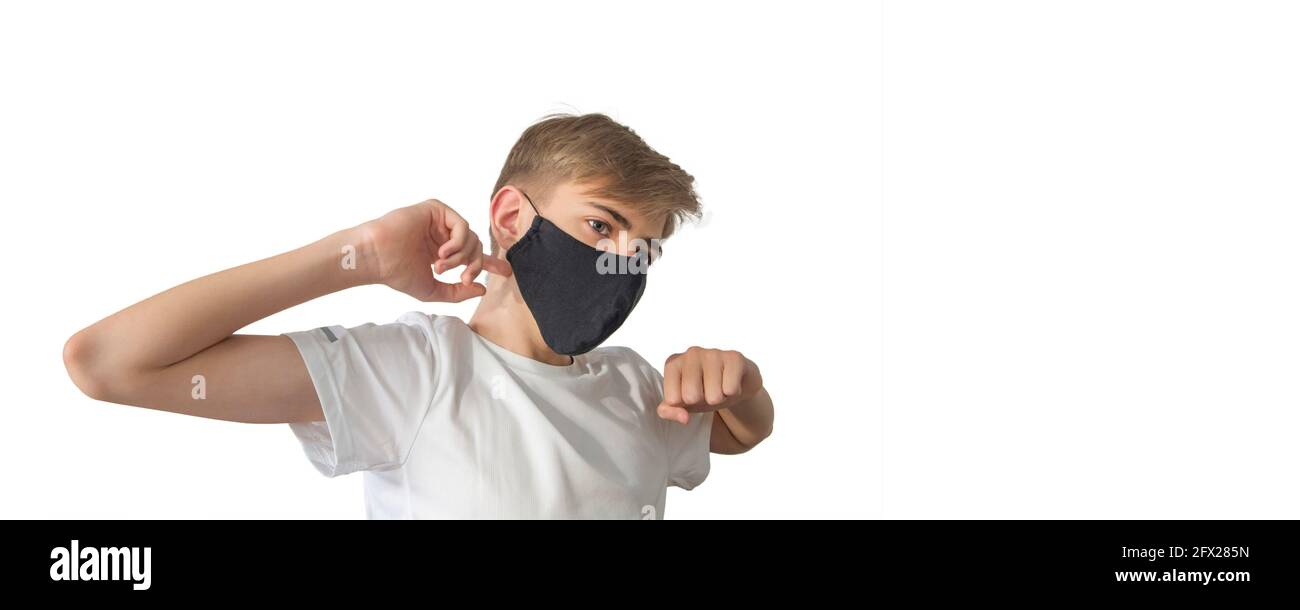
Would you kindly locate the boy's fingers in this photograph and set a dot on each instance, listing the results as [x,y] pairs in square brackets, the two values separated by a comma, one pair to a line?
[733,372]
[711,366]
[672,383]
[677,414]
[464,257]
[456,259]
[495,265]
[474,245]
[471,271]
[457,239]
[455,293]
[692,381]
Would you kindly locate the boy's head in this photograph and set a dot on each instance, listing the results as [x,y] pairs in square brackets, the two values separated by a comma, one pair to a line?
[593,178]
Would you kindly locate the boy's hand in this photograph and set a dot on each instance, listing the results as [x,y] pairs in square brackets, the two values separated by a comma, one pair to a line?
[399,248]
[700,380]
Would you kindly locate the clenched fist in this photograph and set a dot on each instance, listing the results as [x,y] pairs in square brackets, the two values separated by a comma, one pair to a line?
[701,380]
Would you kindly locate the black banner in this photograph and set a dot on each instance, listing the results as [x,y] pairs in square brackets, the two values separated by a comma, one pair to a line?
[154,560]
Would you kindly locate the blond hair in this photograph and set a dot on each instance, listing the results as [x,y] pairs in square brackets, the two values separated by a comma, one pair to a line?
[595,149]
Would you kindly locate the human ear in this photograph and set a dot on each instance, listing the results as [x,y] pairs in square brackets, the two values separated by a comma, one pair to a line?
[507,217]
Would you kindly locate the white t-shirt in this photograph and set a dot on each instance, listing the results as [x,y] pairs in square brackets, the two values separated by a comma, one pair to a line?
[447,424]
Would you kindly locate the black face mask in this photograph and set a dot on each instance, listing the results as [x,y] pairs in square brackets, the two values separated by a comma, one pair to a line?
[578,294]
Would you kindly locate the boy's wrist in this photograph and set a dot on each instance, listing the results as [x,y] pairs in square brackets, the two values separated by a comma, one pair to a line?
[351,258]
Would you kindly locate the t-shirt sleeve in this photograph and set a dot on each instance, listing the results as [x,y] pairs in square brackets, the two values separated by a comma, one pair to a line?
[689,447]
[376,384]
[687,444]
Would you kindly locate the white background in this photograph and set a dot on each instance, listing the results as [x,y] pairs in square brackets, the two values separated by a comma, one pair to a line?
[996,259]
[1092,213]
[145,144]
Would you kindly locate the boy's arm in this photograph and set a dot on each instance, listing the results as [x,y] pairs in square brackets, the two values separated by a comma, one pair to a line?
[725,383]
[158,352]
[743,426]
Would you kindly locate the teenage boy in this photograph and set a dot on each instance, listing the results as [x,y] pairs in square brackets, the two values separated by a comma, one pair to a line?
[515,414]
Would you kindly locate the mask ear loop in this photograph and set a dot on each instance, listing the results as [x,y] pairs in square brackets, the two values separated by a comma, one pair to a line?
[530,202]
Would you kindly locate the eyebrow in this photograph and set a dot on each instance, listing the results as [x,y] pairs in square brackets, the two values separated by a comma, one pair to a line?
[619,218]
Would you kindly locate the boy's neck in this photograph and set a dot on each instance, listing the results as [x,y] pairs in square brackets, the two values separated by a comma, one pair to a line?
[502,318]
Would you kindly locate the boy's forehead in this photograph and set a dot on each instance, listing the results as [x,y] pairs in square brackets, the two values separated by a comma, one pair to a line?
[580,195]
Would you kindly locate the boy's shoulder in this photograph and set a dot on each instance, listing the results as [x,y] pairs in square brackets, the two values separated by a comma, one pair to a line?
[434,323]
[626,356]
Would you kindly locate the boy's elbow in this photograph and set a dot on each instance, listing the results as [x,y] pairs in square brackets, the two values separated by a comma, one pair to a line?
[82,363]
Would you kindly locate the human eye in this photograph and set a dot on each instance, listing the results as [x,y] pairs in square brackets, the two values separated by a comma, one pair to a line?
[599,226]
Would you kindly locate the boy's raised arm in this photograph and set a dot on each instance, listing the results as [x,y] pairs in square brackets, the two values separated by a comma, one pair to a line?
[156,353]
